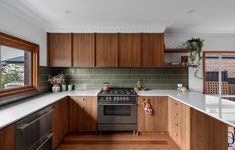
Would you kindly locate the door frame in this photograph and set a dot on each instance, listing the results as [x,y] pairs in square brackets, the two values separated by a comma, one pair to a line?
[203,62]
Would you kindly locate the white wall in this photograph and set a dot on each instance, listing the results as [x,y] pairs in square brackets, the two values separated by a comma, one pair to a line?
[213,41]
[16,25]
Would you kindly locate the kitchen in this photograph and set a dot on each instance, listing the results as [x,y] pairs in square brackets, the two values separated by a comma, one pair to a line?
[117,79]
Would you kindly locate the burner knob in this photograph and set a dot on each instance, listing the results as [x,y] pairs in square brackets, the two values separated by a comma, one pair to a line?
[106,98]
[127,99]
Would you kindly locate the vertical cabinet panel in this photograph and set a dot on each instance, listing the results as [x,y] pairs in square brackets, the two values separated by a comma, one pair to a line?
[82,114]
[106,49]
[59,49]
[59,121]
[129,52]
[7,138]
[207,133]
[152,49]
[83,49]
[158,121]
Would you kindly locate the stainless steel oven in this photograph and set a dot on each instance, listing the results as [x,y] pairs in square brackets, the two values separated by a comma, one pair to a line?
[34,132]
[117,112]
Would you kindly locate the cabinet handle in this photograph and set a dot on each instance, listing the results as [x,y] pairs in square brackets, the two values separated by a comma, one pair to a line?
[177,124]
[83,99]
[176,134]
[176,114]
[176,104]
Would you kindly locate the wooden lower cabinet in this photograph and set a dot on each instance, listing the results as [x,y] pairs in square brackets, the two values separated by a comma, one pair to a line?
[194,130]
[7,138]
[82,114]
[179,123]
[59,121]
[157,122]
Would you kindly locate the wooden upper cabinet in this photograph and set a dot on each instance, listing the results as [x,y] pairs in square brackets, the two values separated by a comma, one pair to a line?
[84,50]
[129,52]
[106,49]
[59,49]
[152,49]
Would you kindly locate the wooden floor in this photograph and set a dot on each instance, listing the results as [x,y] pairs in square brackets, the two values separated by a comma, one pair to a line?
[117,141]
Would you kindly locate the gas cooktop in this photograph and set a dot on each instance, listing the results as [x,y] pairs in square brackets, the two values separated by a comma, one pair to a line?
[118,92]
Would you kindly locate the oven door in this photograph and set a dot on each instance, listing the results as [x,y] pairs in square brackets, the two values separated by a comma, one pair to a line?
[117,113]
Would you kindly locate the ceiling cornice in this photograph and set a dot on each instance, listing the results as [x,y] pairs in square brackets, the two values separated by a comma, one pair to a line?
[109,29]
[24,12]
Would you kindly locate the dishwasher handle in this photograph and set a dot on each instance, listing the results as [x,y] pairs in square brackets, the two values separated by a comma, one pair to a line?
[48,138]
[22,127]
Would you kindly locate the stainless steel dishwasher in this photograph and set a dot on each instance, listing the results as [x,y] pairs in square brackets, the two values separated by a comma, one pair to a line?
[34,132]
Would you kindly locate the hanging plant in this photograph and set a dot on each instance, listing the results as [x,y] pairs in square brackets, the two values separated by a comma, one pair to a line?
[195,45]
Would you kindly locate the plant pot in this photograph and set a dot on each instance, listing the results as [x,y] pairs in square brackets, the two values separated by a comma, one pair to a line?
[56,88]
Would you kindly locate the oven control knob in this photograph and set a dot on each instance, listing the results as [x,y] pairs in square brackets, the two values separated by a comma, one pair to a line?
[127,99]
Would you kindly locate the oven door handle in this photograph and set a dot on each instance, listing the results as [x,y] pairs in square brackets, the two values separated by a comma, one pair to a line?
[117,104]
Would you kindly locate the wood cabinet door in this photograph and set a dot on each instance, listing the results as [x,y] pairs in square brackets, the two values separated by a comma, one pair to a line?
[129,50]
[59,121]
[59,49]
[157,122]
[152,49]
[7,138]
[89,114]
[83,49]
[106,49]
[82,114]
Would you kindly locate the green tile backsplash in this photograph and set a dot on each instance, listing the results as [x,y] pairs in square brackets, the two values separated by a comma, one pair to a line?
[93,78]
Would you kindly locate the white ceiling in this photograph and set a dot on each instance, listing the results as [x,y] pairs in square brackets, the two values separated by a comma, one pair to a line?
[213,16]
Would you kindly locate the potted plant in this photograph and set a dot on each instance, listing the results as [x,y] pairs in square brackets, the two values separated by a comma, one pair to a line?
[195,45]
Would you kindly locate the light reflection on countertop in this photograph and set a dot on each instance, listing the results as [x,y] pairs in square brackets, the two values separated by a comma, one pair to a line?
[223,110]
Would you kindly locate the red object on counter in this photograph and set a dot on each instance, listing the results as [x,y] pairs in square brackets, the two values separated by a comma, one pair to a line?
[106,88]
[147,107]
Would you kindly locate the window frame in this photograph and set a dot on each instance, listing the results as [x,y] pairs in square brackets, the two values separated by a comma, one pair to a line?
[11,41]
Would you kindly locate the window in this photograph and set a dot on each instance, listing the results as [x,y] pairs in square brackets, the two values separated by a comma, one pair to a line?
[219,73]
[19,65]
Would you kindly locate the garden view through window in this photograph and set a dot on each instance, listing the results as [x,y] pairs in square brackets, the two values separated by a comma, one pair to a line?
[15,67]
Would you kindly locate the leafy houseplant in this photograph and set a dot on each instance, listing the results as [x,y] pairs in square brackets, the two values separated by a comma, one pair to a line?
[195,45]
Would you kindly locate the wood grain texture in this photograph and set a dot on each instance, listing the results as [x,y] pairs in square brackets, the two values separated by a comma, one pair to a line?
[83,50]
[7,138]
[60,49]
[106,49]
[15,42]
[129,50]
[158,121]
[152,49]
[59,121]
[207,133]
[179,123]
[82,114]
[118,141]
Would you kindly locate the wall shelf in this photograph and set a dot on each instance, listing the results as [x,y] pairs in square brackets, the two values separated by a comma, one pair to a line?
[177,50]
[179,66]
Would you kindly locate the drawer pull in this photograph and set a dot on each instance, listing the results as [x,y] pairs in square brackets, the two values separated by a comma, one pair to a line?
[176,114]
[83,99]
[176,134]
[176,104]
[177,124]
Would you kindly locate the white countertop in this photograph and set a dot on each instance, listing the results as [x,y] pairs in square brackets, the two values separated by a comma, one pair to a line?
[222,110]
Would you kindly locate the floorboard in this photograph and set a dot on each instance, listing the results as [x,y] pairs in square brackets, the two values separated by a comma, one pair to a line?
[117,141]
